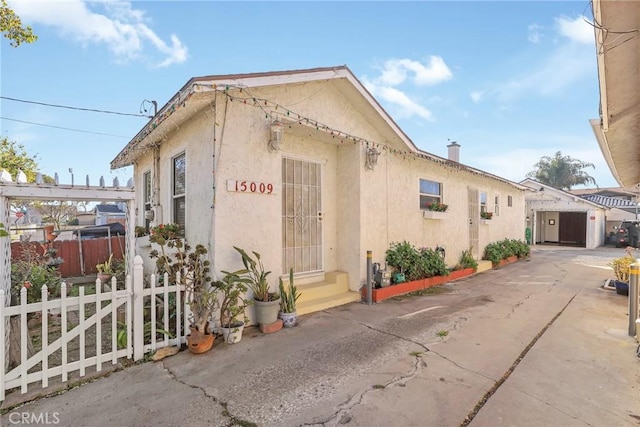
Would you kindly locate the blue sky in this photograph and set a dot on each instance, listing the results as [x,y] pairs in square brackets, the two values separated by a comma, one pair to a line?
[509,81]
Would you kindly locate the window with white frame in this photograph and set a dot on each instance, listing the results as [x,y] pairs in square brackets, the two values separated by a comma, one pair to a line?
[146,195]
[179,190]
[430,192]
[496,207]
[483,202]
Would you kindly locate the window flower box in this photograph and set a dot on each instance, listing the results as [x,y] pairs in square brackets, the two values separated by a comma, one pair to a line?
[434,214]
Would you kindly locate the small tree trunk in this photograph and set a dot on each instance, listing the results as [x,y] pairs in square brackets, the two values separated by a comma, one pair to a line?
[14,342]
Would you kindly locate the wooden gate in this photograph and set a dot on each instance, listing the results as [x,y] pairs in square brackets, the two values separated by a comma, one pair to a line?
[92,328]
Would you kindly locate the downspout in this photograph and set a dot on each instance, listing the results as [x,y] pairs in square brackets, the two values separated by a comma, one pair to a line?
[157,210]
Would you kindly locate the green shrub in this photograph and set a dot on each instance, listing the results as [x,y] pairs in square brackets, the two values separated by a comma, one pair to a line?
[497,251]
[415,264]
[33,276]
[467,261]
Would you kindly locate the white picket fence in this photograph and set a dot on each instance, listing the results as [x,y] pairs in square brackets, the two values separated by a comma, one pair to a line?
[111,304]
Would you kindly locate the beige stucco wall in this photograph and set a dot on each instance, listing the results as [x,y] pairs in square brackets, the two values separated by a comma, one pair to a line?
[362,210]
[391,208]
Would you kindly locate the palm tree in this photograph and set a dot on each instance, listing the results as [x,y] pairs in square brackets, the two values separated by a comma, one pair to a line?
[562,172]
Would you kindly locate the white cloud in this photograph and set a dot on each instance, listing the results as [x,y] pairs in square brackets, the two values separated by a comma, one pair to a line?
[576,29]
[476,96]
[395,72]
[121,28]
[406,107]
[534,33]
[566,65]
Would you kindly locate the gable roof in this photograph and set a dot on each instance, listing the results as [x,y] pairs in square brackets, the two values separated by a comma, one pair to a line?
[199,92]
[539,187]
[610,202]
[108,208]
[605,191]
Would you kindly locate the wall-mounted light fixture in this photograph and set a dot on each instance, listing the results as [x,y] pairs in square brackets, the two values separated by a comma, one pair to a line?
[552,222]
[371,158]
[276,136]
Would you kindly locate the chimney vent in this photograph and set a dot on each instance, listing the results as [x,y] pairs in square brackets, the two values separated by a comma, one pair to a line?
[454,152]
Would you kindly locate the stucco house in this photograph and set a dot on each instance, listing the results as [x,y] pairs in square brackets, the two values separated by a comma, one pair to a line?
[559,217]
[306,168]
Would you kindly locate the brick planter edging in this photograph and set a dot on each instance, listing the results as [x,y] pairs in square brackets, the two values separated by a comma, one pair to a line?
[417,285]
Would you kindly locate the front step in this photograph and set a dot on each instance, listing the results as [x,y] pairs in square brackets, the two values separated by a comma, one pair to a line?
[330,292]
[327,302]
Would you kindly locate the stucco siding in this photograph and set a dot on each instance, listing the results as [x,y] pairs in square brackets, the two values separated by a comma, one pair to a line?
[392,213]
[361,209]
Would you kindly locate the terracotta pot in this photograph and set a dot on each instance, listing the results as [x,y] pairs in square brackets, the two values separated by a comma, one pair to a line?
[104,278]
[199,342]
[48,229]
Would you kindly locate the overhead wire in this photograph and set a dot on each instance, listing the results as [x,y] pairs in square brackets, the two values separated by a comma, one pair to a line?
[63,128]
[75,108]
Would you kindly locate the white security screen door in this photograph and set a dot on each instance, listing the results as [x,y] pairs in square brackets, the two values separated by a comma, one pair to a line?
[301,216]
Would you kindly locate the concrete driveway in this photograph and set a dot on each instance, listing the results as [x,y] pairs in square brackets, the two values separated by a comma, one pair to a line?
[535,343]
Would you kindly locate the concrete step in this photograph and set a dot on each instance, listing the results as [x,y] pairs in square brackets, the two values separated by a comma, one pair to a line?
[330,292]
[327,302]
[483,265]
[334,283]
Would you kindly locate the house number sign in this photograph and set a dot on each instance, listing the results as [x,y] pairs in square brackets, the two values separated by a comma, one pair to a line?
[250,187]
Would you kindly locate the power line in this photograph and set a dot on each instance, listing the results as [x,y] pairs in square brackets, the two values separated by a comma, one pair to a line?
[74,108]
[63,128]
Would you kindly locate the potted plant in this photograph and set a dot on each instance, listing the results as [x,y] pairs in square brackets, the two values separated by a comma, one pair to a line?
[267,303]
[288,300]
[233,316]
[189,268]
[105,271]
[486,215]
[436,206]
[621,268]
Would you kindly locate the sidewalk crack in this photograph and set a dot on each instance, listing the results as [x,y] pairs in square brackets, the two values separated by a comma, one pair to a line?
[342,416]
[485,398]
[233,421]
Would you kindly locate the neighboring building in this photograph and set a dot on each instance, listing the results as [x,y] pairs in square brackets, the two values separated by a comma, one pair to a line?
[618,55]
[107,213]
[559,217]
[307,169]
[622,203]
[86,218]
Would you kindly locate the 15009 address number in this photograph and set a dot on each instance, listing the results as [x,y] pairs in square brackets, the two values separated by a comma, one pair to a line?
[250,187]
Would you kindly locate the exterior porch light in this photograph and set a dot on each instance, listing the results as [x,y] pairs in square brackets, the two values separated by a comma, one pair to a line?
[371,158]
[277,133]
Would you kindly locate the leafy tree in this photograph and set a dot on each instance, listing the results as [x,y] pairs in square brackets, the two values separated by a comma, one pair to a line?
[562,172]
[12,28]
[14,157]
[57,212]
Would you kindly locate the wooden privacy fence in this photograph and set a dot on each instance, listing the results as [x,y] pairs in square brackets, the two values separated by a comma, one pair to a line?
[80,256]
[90,329]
